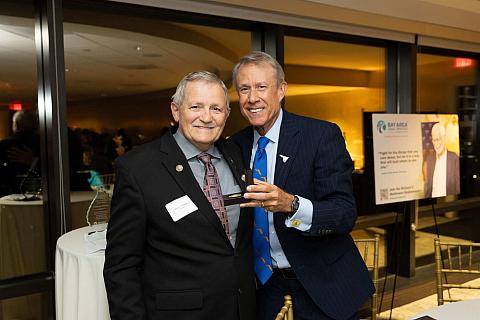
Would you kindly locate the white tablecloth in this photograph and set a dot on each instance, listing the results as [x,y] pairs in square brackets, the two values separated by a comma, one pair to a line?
[460,310]
[22,238]
[22,233]
[23,250]
[79,287]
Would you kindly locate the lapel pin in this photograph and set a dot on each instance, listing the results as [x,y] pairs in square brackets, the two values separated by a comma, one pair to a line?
[243,177]
[284,158]
[179,168]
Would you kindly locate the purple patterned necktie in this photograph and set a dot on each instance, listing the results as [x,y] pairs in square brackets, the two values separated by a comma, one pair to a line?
[212,190]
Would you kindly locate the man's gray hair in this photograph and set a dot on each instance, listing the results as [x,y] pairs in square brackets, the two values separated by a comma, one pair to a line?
[25,121]
[257,58]
[205,76]
[440,129]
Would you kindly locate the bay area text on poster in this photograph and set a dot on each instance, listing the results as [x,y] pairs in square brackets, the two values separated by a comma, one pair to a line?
[414,156]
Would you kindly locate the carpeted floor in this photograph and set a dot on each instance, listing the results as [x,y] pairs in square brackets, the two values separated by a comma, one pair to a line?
[407,311]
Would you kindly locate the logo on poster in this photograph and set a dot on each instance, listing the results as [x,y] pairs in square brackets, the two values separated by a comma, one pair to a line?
[392,127]
[381,126]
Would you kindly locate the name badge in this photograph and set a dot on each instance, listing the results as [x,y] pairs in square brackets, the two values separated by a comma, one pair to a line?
[180,207]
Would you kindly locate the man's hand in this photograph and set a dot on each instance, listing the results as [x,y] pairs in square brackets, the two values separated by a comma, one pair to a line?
[268,196]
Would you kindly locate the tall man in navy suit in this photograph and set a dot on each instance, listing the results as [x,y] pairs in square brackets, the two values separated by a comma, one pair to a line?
[307,197]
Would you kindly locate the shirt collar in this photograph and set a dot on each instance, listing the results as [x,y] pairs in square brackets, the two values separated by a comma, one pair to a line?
[191,151]
[443,156]
[274,133]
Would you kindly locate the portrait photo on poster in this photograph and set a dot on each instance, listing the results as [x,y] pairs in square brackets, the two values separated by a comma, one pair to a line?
[440,149]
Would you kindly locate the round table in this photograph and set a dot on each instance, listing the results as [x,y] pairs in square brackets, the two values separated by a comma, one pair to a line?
[79,288]
[22,232]
[459,310]
[23,248]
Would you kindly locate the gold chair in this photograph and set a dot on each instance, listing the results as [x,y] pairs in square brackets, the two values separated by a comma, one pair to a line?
[458,260]
[286,313]
[368,249]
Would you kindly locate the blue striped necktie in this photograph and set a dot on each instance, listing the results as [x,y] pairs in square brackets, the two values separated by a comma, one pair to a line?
[261,243]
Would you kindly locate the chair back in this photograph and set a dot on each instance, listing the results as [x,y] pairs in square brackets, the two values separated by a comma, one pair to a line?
[286,313]
[106,182]
[368,249]
[454,258]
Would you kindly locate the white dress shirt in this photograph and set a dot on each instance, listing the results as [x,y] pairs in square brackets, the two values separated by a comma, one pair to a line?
[302,219]
[439,184]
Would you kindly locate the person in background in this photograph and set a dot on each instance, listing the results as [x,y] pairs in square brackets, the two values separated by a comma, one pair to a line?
[94,157]
[174,251]
[19,153]
[78,177]
[304,206]
[122,141]
[118,145]
[441,166]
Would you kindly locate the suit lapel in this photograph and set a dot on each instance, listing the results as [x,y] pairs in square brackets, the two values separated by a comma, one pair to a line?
[245,218]
[235,166]
[186,180]
[246,145]
[288,143]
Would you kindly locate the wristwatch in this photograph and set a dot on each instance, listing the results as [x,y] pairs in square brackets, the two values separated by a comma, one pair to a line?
[294,206]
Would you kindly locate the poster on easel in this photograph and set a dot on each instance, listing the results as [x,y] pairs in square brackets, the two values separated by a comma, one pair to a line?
[416,156]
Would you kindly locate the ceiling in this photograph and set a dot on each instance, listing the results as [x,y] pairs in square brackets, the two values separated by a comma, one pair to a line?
[462,14]
[466,5]
[136,58]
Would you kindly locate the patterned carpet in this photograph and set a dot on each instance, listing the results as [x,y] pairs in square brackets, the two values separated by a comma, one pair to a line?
[407,311]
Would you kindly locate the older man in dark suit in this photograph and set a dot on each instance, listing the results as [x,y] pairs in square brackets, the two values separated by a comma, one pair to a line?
[305,209]
[174,250]
[19,153]
[441,166]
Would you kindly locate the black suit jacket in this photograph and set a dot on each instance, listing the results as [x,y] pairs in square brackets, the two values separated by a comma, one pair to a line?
[9,171]
[156,268]
[325,259]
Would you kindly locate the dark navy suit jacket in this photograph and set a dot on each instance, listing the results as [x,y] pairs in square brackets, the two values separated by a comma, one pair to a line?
[319,168]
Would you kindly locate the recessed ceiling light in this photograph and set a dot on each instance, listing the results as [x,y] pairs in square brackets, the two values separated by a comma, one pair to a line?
[138,48]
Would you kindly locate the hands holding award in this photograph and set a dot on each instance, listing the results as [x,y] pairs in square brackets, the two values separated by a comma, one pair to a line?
[261,194]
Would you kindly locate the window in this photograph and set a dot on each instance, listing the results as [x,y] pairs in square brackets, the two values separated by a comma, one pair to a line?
[447,83]
[23,248]
[337,82]
[122,67]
